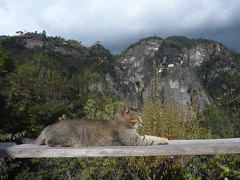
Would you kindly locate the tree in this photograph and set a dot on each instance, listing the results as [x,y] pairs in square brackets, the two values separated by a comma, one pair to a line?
[6,63]
[44,33]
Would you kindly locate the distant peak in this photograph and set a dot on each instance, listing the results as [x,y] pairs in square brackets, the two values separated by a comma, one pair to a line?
[152,40]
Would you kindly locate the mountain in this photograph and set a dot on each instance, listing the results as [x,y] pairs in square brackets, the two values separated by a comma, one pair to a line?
[53,76]
[188,71]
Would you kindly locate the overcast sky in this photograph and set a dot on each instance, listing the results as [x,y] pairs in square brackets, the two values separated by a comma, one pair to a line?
[118,23]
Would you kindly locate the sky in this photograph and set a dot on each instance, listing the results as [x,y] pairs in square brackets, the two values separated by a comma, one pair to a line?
[119,23]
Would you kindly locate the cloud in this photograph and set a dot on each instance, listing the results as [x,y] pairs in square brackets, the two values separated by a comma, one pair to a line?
[116,23]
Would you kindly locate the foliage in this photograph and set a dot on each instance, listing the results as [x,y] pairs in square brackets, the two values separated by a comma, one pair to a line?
[36,95]
[215,85]
[7,167]
[74,43]
[180,42]
[6,63]
[104,109]
[217,120]
[12,137]
[2,38]
[224,88]
[45,85]
[169,120]
[6,66]
[212,167]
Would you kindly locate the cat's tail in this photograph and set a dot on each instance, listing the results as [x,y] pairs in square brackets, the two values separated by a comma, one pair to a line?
[41,139]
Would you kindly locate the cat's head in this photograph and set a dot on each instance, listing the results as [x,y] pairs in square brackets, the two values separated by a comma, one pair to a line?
[131,117]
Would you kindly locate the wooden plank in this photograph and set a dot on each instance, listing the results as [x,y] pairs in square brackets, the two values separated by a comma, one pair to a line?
[175,147]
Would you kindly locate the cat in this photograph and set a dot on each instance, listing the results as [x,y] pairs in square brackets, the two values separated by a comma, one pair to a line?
[120,131]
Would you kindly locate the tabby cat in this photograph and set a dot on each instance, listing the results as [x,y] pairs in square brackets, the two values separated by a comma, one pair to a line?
[121,130]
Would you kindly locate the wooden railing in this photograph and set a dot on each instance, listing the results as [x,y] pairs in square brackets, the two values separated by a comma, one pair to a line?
[175,147]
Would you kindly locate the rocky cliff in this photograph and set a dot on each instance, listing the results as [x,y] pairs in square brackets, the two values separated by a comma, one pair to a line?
[174,69]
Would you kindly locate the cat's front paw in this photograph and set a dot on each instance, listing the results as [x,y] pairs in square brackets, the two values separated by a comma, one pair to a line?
[163,141]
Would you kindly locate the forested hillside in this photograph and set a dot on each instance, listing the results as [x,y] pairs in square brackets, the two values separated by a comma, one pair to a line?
[185,88]
[45,78]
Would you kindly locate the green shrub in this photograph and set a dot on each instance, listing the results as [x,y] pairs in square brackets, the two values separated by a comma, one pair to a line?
[217,120]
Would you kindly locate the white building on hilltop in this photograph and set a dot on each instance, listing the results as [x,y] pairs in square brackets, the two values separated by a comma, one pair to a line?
[18,33]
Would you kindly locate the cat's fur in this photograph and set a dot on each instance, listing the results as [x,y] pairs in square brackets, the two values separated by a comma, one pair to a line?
[81,132]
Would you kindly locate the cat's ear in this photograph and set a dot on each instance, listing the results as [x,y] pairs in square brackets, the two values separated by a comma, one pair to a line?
[125,110]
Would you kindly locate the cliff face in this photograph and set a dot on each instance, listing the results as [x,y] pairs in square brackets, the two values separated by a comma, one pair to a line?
[137,68]
[175,73]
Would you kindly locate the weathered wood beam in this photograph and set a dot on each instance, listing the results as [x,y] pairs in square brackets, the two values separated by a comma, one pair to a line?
[175,147]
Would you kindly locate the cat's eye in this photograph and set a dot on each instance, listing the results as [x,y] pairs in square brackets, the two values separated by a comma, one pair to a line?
[137,120]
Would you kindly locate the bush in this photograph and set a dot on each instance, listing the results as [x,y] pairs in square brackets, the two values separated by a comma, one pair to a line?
[217,120]
[169,120]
